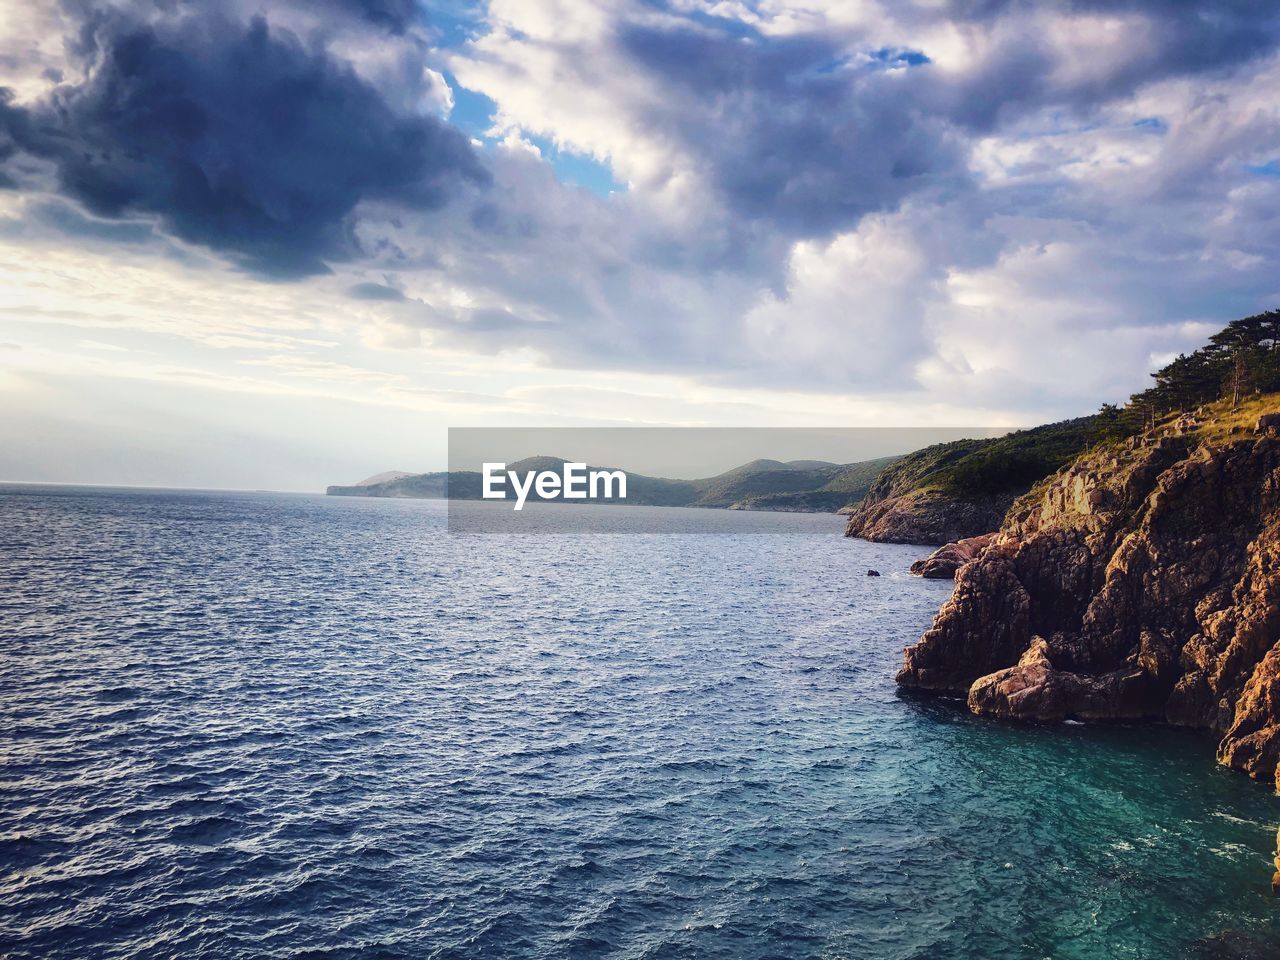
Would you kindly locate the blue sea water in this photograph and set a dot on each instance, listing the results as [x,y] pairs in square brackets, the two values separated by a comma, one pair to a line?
[285,726]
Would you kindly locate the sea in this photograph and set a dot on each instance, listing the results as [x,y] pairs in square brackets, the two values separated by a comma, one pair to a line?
[253,725]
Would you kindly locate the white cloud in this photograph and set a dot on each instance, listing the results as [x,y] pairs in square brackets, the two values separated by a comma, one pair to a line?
[1093,212]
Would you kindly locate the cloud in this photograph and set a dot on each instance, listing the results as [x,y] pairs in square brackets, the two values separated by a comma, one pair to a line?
[1003,60]
[375,291]
[791,130]
[876,281]
[853,161]
[236,137]
[397,16]
[1004,205]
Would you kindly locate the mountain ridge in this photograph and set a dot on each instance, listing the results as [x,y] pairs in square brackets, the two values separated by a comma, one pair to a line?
[813,486]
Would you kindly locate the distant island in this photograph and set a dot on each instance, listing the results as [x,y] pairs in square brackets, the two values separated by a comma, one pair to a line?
[794,486]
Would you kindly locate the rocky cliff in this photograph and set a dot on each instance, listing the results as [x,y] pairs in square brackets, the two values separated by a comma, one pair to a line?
[944,562]
[953,491]
[1141,581]
[927,516]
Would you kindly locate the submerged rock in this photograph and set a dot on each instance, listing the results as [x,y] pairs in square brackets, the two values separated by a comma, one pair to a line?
[1141,582]
[1235,945]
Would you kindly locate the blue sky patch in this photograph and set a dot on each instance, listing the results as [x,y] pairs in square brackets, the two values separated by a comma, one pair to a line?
[893,57]
[473,113]
[454,21]
[577,168]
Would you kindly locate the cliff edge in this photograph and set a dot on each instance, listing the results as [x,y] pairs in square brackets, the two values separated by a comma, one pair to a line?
[953,491]
[1140,582]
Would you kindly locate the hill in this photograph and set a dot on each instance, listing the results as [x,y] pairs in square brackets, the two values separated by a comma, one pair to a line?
[846,485]
[385,477]
[811,486]
[952,491]
[763,479]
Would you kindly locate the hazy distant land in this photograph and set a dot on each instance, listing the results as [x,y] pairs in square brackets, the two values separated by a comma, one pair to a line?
[810,486]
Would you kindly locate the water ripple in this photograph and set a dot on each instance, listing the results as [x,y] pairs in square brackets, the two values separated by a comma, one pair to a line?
[298,727]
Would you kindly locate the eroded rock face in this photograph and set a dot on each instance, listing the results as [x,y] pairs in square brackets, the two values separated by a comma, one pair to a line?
[943,563]
[1034,689]
[1140,583]
[1029,690]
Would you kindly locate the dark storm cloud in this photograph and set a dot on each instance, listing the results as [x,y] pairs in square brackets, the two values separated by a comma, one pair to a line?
[393,15]
[8,144]
[1192,37]
[791,130]
[68,221]
[1176,38]
[804,133]
[376,292]
[236,137]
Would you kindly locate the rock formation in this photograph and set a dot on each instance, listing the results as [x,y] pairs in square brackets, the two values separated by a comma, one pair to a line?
[1141,581]
[927,516]
[963,488]
[943,563]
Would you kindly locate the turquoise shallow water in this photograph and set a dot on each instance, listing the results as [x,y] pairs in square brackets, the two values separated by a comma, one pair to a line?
[274,726]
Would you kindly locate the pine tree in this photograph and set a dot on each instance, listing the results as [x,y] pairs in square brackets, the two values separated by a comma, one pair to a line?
[1242,357]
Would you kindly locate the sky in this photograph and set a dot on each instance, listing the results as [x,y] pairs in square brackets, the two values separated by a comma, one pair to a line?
[285,244]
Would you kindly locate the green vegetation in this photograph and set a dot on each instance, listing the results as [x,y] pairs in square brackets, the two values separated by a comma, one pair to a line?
[844,486]
[1233,370]
[1239,362]
[987,466]
[855,479]
[1014,462]
[761,478]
